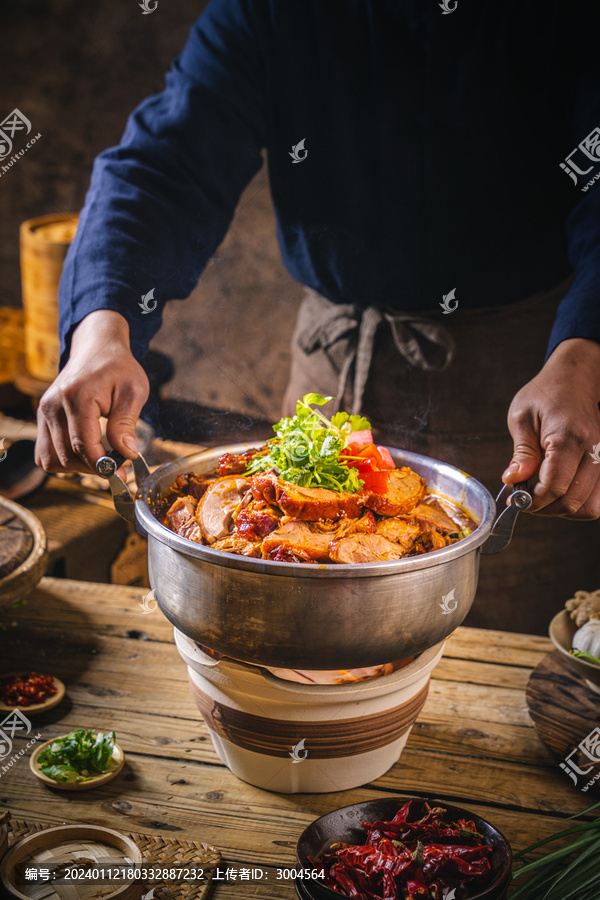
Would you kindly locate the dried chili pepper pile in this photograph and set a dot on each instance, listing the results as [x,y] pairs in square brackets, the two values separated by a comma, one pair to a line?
[26,690]
[403,860]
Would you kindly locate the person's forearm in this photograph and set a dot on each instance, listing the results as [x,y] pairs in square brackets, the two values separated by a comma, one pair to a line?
[101,326]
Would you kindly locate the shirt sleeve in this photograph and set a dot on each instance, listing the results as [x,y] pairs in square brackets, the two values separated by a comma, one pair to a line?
[578,315]
[161,201]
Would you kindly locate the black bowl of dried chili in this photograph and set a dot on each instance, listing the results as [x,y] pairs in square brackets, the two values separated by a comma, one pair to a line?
[393,848]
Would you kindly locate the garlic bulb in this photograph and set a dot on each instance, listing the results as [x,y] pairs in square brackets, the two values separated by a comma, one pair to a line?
[587,638]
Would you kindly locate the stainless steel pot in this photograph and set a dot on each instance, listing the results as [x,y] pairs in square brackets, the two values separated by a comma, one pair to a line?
[314,616]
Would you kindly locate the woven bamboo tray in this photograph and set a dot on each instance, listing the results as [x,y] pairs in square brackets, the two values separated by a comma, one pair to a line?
[158,852]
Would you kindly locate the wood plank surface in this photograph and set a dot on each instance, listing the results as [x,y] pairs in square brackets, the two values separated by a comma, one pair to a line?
[474,743]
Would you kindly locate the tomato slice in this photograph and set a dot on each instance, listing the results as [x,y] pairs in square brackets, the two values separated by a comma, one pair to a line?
[376,481]
[360,438]
[388,462]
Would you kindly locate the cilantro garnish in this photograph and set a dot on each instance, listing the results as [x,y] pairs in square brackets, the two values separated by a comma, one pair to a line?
[78,756]
[306,449]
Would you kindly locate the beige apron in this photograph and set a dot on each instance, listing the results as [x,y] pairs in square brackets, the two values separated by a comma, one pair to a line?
[441,385]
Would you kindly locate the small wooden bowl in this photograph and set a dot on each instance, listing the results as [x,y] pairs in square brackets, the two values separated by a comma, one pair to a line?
[54,847]
[116,764]
[561,631]
[34,708]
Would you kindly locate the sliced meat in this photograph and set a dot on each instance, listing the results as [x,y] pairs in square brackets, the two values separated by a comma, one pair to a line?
[194,485]
[430,540]
[284,554]
[399,531]
[233,543]
[237,463]
[433,518]
[181,518]
[186,485]
[217,506]
[364,548]
[308,504]
[257,520]
[365,524]
[405,490]
[297,539]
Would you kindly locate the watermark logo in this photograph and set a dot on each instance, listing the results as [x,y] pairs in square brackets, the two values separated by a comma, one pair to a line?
[588,751]
[147,9]
[446,303]
[14,724]
[596,454]
[447,601]
[145,304]
[450,895]
[12,125]
[585,152]
[445,6]
[149,895]
[299,753]
[149,603]
[295,154]
[9,126]
[4,452]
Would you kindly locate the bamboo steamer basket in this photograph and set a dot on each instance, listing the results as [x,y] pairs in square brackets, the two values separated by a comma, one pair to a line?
[12,342]
[44,245]
[23,551]
[64,845]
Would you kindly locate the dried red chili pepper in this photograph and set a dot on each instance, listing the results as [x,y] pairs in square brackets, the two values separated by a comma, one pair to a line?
[406,860]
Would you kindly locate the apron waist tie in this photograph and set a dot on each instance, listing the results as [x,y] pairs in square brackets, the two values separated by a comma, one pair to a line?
[421,342]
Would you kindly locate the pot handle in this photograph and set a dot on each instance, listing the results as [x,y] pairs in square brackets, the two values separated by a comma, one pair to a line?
[503,527]
[107,467]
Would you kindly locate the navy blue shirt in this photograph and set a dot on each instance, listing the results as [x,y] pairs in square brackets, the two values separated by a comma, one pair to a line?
[434,143]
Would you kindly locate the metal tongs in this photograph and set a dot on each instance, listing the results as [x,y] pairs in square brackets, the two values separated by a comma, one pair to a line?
[503,527]
[107,467]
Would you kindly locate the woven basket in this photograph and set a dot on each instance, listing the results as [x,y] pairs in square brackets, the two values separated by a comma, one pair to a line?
[68,845]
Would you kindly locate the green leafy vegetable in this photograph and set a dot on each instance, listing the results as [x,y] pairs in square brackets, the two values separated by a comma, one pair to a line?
[555,876]
[307,446]
[583,654]
[78,756]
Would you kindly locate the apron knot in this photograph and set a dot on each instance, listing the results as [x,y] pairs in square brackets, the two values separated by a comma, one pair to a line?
[420,341]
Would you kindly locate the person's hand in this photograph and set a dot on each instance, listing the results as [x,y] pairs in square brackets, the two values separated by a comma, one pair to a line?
[555,425]
[101,378]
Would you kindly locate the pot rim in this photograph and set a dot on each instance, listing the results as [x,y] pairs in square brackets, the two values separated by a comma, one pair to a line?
[149,491]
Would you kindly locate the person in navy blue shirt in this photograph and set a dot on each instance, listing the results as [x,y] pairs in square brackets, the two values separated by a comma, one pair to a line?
[435,150]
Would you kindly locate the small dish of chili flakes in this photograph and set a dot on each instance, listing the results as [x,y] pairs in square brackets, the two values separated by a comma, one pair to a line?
[31,692]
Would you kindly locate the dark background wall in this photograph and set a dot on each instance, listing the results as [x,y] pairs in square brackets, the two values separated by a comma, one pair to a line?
[76,69]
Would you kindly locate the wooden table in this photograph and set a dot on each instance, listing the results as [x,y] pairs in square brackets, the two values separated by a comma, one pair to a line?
[473,744]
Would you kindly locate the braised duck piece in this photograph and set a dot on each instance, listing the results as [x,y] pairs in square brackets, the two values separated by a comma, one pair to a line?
[430,516]
[218,505]
[234,543]
[430,540]
[256,520]
[308,504]
[405,490]
[365,524]
[399,531]
[299,539]
[364,548]
[237,463]
[181,518]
